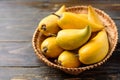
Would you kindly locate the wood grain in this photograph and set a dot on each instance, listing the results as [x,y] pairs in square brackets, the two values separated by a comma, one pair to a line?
[18,54]
[22,18]
[19,19]
[47,73]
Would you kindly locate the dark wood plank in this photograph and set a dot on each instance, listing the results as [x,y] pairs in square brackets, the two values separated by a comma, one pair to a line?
[52,6]
[68,1]
[46,73]
[117,22]
[18,54]
[18,19]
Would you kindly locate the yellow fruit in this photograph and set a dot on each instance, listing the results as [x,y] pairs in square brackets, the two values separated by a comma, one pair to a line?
[70,39]
[68,59]
[85,16]
[93,16]
[70,20]
[48,25]
[95,50]
[61,10]
[50,49]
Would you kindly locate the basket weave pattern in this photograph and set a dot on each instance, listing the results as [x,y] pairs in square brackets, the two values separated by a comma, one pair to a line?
[110,28]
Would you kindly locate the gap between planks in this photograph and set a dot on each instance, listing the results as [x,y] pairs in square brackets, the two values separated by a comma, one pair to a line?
[21,66]
[15,41]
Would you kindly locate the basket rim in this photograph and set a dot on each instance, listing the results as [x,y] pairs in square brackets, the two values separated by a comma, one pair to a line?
[49,63]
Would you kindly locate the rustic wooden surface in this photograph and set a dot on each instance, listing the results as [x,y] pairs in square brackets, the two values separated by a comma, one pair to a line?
[18,20]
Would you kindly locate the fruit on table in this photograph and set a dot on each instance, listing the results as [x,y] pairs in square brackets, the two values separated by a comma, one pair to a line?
[48,25]
[95,50]
[49,48]
[70,39]
[93,16]
[68,59]
[69,20]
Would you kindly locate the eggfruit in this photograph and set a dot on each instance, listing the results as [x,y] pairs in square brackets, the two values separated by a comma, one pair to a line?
[68,59]
[50,48]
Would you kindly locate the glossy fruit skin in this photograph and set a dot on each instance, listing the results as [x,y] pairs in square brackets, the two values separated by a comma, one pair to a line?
[48,25]
[85,16]
[95,50]
[69,59]
[70,39]
[50,49]
[70,20]
[93,16]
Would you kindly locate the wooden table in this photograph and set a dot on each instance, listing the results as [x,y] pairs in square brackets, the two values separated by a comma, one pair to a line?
[19,19]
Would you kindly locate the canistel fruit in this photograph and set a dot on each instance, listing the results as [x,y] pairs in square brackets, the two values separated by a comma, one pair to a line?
[73,39]
[70,39]
[50,49]
[70,20]
[95,50]
[68,59]
[48,25]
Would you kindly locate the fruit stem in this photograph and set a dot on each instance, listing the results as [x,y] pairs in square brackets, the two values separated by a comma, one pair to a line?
[56,15]
[44,49]
[59,62]
[43,27]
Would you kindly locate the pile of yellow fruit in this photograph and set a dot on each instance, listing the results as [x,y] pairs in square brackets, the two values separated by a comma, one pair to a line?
[74,38]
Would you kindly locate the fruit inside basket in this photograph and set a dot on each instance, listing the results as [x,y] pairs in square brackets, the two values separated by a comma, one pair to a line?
[75,39]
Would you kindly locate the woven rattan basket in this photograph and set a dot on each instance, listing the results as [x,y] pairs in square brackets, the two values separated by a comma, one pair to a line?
[110,28]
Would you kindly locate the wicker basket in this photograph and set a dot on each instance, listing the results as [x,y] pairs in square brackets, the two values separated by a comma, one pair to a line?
[110,28]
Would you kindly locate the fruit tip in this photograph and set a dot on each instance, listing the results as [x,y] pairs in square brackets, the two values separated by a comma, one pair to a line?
[88,27]
[89,6]
[44,49]
[63,6]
